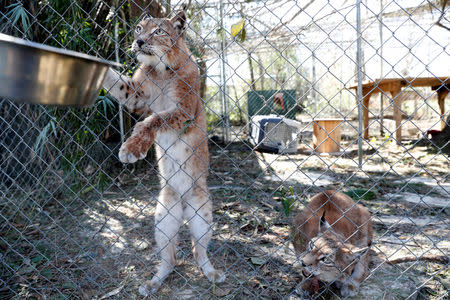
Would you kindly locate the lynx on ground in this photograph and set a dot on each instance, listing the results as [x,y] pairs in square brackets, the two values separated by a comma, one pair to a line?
[165,89]
[332,237]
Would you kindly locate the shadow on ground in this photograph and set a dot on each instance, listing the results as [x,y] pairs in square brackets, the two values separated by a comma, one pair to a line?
[89,244]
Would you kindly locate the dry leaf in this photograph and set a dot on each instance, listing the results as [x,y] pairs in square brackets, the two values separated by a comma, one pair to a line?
[257,260]
[221,292]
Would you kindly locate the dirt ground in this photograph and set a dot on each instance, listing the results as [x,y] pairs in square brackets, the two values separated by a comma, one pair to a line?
[92,245]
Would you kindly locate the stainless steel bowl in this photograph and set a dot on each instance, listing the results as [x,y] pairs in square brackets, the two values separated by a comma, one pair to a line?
[37,73]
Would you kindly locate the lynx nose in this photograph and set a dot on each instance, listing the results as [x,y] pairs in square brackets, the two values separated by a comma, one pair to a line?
[140,43]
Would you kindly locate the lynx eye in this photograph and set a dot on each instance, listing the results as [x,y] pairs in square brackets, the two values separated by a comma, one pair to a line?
[159,31]
[138,29]
[325,259]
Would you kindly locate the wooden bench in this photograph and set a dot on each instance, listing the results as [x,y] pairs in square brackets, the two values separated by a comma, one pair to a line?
[393,86]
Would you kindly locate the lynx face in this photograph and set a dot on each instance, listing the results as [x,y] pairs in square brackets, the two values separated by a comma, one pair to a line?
[155,39]
[329,259]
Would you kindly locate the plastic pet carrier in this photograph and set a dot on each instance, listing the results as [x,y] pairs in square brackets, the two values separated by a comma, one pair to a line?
[271,133]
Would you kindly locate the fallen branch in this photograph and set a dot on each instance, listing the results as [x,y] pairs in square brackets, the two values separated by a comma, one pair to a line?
[397,243]
[442,25]
[430,257]
[112,293]
[438,23]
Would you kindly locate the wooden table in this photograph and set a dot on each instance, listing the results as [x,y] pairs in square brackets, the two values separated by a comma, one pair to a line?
[394,86]
[327,135]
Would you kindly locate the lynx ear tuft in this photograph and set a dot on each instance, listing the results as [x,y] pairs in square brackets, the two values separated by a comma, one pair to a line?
[356,251]
[179,22]
[323,224]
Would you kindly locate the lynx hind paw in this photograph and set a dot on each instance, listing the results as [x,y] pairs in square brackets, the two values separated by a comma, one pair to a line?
[149,288]
[216,276]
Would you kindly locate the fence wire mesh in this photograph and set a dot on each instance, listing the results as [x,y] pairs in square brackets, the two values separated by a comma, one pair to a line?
[76,223]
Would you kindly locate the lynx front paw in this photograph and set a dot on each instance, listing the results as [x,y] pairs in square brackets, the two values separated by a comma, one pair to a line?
[134,148]
[349,289]
[126,157]
[304,294]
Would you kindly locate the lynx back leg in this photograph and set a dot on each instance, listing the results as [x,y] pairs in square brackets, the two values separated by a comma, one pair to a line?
[198,213]
[168,218]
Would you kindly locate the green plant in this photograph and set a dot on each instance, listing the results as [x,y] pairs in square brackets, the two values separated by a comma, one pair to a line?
[15,13]
[63,138]
[357,194]
[287,199]
[78,134]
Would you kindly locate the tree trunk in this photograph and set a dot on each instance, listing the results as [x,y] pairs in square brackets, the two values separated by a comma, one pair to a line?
[167,7]
[252,75]
[202,67]
[261,73]
[152,7]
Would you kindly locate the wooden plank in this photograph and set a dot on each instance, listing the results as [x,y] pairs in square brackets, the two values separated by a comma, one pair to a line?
[407,81]
[442,93]
[366,102]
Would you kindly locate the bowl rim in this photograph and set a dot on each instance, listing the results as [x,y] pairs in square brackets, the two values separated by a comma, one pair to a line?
[4,38]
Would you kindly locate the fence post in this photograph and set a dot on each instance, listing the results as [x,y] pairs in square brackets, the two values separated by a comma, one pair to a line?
[314,93]
[116,51]
[359,78]
[225,123]
[381,67]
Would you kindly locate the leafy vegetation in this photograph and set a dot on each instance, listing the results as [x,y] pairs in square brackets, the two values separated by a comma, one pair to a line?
[78,141]
[287,199]
[357,194]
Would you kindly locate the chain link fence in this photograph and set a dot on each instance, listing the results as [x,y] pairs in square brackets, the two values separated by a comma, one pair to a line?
[78,224]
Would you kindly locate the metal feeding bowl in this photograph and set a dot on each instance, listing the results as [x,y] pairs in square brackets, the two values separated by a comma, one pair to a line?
[37,73]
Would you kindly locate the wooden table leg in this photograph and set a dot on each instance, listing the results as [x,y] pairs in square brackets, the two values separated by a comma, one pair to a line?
[442,93]
[397,113]
[366,103]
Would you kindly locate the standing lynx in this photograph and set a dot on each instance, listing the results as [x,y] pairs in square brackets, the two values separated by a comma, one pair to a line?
[331,237]
[165,89]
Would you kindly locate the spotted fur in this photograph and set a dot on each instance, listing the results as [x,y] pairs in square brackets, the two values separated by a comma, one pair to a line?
[332,237]
[165,89]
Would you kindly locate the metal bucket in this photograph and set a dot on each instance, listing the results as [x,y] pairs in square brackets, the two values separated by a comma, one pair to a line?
[37,73]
